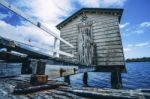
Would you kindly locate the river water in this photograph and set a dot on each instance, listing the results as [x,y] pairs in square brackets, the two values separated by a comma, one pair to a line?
[137,76]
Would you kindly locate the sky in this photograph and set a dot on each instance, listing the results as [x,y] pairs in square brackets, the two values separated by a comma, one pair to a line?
[134,25]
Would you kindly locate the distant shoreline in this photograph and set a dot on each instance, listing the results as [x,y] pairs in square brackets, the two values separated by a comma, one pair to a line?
[144,59]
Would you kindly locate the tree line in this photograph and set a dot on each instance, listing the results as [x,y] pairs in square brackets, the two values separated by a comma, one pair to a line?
[143,59]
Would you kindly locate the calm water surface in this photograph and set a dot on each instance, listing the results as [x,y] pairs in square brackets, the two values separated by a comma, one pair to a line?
[137,76]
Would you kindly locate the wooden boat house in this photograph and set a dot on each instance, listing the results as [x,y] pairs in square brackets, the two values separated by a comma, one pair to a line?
[95,35]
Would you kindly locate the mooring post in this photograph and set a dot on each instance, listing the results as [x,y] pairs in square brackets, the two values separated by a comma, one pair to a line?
[67,79]
[116,80]
[85,79]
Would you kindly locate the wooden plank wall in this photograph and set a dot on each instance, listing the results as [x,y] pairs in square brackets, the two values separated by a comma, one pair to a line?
[106,36]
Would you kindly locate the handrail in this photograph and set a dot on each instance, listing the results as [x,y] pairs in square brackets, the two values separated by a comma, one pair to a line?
[33,45]
[36,23]
[39,25]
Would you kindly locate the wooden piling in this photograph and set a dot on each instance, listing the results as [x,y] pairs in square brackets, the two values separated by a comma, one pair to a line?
[41,67]
[116,80]
[67,79]
[26,67]
[85,79]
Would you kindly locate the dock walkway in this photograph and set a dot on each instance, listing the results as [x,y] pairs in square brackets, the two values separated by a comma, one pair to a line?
[7,86]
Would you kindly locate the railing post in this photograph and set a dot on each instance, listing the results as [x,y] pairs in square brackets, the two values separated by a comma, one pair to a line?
[55,45]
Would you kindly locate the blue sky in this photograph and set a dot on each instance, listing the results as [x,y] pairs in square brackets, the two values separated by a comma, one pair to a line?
[134,26]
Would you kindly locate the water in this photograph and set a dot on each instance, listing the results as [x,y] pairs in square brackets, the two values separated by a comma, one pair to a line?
[137,76]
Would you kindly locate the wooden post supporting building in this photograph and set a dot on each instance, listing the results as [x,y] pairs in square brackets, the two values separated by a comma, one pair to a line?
[85,79]
[26,66]
[67,79]
[116,80]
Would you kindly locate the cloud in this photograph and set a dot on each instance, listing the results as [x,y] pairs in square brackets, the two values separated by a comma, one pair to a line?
[90,3]
[24,33]
[2,16]
[130,45]
[101,3]
[137,29]
[145,24]
[137,50]
[113,2]
[142,44]
[47,11]
[127,49]
[51,11]
[124,25]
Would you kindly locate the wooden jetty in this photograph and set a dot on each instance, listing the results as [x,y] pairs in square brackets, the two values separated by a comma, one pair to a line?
[15,88]
[90,41]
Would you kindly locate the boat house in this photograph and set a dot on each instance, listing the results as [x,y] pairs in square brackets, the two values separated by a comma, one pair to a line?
[96,36]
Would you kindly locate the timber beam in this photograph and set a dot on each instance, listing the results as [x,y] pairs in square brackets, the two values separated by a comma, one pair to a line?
[11,58]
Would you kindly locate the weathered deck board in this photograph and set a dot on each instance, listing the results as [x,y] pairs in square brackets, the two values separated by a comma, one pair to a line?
[66,92]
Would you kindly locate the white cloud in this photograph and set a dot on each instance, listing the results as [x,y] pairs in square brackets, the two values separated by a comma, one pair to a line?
[47,11]
[132,48]
[130,45]
[142,44]
[145,24]
[50,11]
[90,3]
[137,29]
[24,33]
[127,49]
[2,16]
[137,50]
[113,2]
[124,25]
[102,3]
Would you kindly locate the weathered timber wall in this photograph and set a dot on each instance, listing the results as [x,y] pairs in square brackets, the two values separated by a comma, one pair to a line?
[10,69]
[106,35]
